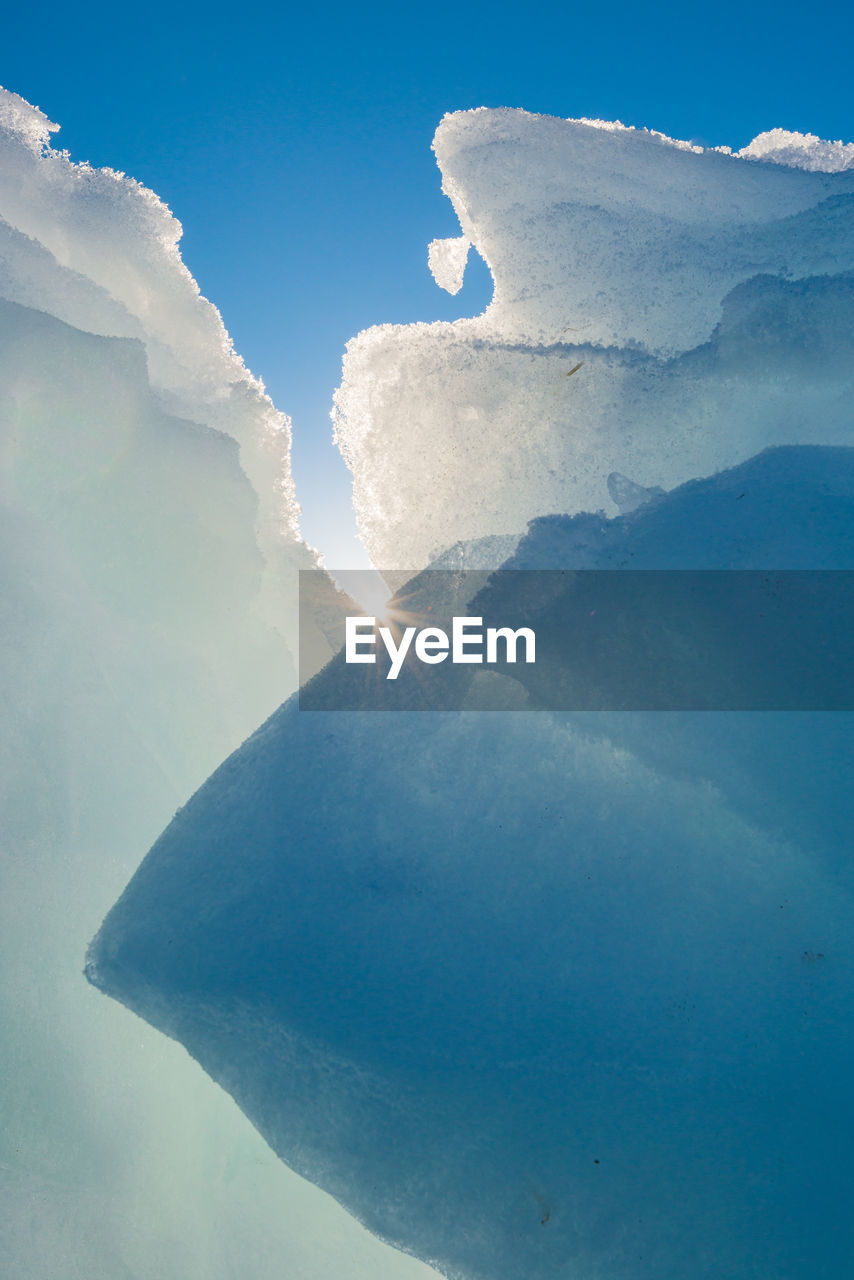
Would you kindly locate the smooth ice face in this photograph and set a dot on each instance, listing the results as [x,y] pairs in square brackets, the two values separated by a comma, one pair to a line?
[660,311]
[537,995]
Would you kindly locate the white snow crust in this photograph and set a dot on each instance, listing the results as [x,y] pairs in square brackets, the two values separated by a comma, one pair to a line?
[660,310]
[447,261]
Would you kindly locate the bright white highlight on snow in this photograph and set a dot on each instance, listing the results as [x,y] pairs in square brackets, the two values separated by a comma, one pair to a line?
[800,151]
[660,311]
[447,261]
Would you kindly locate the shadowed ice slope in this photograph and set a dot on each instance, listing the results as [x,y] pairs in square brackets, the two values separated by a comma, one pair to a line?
[533,994]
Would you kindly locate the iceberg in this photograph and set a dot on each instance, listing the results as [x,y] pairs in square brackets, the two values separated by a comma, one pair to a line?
[660,310]
[539,994]
[531,993]
[527,994]
[99,251]
[149,569]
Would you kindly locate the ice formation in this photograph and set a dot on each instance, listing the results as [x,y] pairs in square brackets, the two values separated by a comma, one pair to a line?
[801,151]
[100,251]
[149,553]
[447,261]
[529,995]
[539,995]
[660,311]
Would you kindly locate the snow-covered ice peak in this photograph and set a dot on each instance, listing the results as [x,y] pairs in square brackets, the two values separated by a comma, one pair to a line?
[625,235]
[29,123]
[660,309]
[99,251]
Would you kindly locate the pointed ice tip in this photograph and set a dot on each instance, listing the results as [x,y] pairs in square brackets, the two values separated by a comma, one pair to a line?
[90,971]
[21,118]
[447,261]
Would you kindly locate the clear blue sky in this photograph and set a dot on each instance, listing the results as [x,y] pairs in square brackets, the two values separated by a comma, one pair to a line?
[294,143]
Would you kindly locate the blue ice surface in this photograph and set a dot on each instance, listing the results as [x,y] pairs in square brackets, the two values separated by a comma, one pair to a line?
[540,995]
